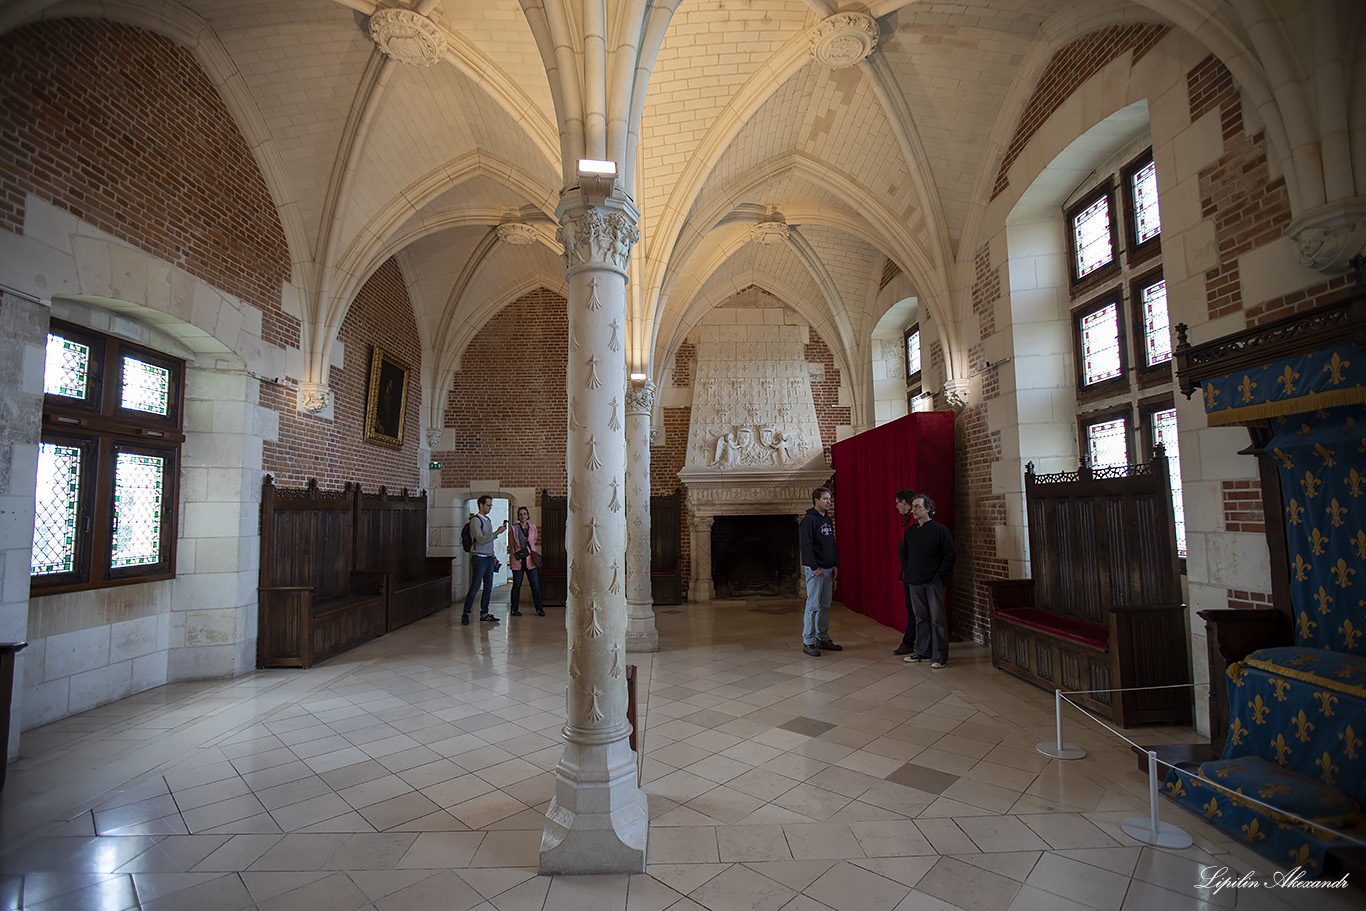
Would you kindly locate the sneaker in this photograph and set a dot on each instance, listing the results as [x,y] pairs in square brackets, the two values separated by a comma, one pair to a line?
[902,650]
[829,646]
[516,613]
[938,664]
[464,619]
[488,618]
[811,650]
[914,659]
[539,612]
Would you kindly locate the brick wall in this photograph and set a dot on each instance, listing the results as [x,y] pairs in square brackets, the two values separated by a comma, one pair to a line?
[507,403]
[976,449]
[826,392]
[1070,67]
[124,101]
[1243,506]
[1241,600]
[334,451]
[1249,209]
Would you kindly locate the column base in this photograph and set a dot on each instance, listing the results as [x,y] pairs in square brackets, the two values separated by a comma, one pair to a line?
[599,820]
[641,635]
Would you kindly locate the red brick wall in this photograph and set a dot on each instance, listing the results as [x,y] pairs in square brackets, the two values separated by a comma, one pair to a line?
[1306,298]
[1242,600]
[1070,67]
[1248,207]
[976,449]
[1243,506]
[826,392]
[121,128]
[507,403]
[334,451]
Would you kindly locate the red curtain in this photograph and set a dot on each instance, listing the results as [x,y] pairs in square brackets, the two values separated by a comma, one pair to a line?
[913,452]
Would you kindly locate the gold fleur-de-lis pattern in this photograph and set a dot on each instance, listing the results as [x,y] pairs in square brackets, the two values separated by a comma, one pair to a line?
[1247,387]
[1288,379]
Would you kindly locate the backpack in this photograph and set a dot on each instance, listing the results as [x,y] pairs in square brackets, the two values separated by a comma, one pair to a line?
[466,539]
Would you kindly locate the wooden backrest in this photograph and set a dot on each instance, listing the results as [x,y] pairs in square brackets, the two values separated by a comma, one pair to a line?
[391,533]
[1102,538]
[307,537]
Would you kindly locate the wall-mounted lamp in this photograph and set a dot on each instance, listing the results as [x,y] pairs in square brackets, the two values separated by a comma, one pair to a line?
[596,179]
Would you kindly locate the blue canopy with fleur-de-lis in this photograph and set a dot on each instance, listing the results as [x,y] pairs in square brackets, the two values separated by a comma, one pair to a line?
[1310,382]
[1321,458]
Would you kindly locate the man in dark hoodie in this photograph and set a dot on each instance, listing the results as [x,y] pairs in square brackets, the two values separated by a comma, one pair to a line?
[820,561]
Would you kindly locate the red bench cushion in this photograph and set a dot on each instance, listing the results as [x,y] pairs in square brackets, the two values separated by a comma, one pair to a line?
[1082,631]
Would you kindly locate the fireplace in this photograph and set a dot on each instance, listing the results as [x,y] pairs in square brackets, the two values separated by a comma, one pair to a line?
[755,557]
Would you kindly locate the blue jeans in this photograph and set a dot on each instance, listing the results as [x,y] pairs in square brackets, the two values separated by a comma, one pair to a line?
[481,573]
[931,621]
[819,589]
[534,577]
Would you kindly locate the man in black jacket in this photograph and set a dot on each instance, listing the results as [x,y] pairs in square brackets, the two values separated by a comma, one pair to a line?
[820,562]
[903,506]
[927,556]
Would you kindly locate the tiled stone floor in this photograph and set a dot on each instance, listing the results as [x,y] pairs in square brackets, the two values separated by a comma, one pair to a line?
[412,774]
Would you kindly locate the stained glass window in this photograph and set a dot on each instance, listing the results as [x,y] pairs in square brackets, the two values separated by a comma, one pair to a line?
[67,368]
[1108,443]
[913,353]
[1147,222]
[146,387]
[1156,326]
[1091,237]
[1100,345]
[1164,432]
[137,509]
[56,509]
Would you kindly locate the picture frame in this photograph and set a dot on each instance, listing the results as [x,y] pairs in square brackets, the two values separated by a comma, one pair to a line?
[386,399]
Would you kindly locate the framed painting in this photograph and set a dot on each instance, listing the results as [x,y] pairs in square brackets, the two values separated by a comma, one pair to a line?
[386,400]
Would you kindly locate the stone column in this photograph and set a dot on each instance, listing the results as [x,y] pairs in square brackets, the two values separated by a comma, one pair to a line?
[598,819]
[641,635]
[700,586]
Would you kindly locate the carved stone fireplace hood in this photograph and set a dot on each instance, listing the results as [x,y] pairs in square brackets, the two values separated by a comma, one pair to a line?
[754,444]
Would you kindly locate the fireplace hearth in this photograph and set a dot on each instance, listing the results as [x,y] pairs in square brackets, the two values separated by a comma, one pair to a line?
[755,557]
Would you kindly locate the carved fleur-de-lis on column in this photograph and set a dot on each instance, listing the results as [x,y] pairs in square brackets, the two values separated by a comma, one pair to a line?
[574,671]
[593,381]
[574,415]
[615,505]
[594,628]
[615,587]
[596,713]
[594,303]
[594,463]
[615,422]
[574,340]
[593,545]
[616,660]
[614,342]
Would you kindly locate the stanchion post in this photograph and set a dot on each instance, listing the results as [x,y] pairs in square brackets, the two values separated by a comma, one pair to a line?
[1152,830]
[1059,750]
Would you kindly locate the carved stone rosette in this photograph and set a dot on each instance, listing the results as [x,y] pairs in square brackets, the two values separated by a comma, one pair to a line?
[516,233]
[314,397]
[1327,238]
[768,233]
[843,39]
[407,37]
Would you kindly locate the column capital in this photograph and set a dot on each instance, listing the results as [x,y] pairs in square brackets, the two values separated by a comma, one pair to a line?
[314,397]
[640,397]
[597,234]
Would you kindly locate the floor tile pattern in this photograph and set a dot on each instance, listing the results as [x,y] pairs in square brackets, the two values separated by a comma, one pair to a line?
[413,773]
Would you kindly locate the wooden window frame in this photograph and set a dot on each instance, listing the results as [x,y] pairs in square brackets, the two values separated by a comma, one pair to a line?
[1117,384]
[1157,374]
[1136,252]
[103,428]
[1081,285]
[1084,421]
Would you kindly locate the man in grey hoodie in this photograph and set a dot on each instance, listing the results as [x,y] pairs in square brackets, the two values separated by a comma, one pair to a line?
[820,562]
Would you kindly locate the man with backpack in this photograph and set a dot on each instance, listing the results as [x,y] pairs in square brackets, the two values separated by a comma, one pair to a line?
[477,538]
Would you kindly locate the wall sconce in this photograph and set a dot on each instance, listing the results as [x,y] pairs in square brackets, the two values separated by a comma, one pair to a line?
[637,376]
[596,179]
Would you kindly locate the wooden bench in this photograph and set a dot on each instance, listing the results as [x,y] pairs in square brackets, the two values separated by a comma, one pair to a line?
[391,539]
[1103,610]
[312,604]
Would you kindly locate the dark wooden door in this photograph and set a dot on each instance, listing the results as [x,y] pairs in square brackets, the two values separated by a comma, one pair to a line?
[666,523]
[555,568]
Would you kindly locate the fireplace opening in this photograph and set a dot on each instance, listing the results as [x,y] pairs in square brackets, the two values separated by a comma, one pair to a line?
[755,557]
